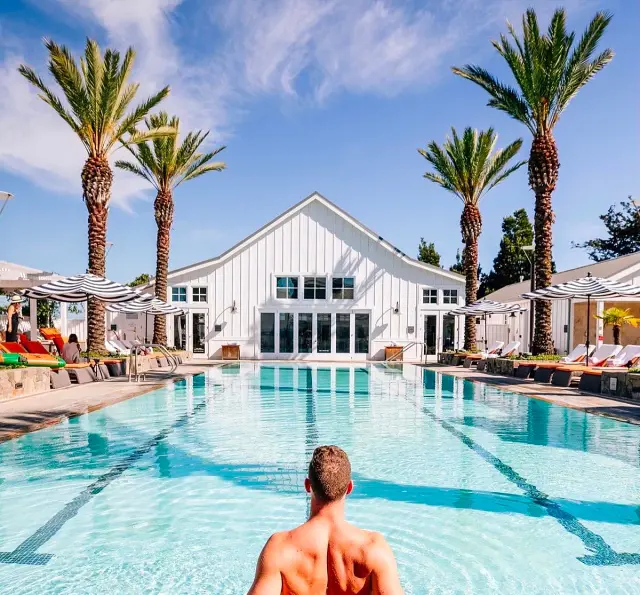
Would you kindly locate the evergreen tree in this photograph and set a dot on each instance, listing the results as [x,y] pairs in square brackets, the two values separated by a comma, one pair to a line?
[141,279]
[511,263]
[623,229]
[428,253]
[458,266]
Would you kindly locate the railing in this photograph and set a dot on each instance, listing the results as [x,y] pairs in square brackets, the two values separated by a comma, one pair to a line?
[133,360]
[408,346]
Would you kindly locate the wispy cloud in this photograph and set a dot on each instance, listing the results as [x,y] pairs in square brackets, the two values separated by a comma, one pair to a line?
[302,49]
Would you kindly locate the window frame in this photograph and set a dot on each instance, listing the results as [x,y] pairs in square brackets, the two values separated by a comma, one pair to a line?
[432,291]
[200,288]
[181,289]
[342,288]
[287,287]
[447,299]
[315,288]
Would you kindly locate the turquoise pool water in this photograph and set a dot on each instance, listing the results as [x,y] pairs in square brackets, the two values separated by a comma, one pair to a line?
[477,490]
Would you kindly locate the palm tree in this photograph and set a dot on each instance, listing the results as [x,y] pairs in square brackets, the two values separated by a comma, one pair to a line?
[469,167]
[616,318]
[165,164]
[548,71]
[98,96]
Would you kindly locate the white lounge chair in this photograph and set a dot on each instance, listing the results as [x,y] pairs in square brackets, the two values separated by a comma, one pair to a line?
[510,349]
[476,357]
[600,355]
[626,357]
[577,354]
[493,348]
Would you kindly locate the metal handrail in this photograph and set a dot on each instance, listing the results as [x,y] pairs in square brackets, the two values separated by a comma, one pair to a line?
[135,351]
[405,348]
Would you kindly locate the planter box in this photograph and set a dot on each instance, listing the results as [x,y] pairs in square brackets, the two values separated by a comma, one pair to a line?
[614,384]
[632,387]
[21,382]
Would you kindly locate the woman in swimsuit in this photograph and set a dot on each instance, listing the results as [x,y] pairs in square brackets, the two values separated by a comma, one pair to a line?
[14,315]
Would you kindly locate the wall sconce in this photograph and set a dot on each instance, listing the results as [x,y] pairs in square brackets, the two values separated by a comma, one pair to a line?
[233,307]
[396,310]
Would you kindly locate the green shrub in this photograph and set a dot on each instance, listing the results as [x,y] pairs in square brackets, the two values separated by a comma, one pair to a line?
[634,371]
[12,366]
[549,357]
[101,355]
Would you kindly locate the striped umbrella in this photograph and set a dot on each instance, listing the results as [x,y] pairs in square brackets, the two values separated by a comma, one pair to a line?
[148,304]
[484,307]
[80,288]
[585,288]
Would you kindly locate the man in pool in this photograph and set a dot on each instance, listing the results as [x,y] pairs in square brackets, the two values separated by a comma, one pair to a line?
[326,555]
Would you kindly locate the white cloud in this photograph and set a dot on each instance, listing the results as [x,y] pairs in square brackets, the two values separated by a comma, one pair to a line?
[309,49]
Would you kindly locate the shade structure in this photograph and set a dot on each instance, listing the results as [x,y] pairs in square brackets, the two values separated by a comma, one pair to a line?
[146,304]
[484,307]
[79,288]
[585,288]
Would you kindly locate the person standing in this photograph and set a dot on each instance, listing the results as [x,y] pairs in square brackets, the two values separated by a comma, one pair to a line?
[14,316]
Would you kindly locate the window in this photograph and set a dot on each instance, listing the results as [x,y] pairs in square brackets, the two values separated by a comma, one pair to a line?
[315,288]
[287,288]
[267,332]
[324,333]
[343,333]
[429,296]
[178,294]
[343,288]
[362,333]
[199,294]
[449,296]
[286,332]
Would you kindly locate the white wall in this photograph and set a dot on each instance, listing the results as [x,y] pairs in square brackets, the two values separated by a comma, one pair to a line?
[313,241]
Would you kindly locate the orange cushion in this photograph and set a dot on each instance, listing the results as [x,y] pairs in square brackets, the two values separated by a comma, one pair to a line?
[72,366]
[49,333]
[14,347]
[3,349]
[59,343]
[549,364]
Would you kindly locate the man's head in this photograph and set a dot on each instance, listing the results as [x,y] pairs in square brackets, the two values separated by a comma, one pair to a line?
[329,474]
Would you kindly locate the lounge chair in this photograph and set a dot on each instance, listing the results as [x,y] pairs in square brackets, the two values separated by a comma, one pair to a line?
[544,370]
[626,358]
[577,354]
[494,348]
[81,373]
[34,359]
[563,375]
[510,349]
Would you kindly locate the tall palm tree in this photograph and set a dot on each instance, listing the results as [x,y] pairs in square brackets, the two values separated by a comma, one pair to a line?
[549,71]
[469,166]
[166,163]
[98,95]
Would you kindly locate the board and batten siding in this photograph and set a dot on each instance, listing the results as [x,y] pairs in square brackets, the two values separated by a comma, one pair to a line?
[312,241]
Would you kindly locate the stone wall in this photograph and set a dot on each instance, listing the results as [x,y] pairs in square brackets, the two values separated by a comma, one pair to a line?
[20,382]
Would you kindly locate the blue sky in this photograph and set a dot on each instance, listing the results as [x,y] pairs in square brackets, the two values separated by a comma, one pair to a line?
[307,95]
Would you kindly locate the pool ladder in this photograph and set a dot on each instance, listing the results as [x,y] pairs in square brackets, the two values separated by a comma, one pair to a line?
[133,360]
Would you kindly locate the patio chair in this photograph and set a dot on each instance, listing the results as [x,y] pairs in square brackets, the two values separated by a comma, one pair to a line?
[510,349]
[626,358]
[475,357]
[564,374]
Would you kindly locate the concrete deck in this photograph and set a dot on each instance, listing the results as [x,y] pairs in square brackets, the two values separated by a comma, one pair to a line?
[620,410]
[34,412]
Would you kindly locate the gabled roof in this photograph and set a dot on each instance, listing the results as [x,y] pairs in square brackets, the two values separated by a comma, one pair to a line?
[315,197]
[607,269]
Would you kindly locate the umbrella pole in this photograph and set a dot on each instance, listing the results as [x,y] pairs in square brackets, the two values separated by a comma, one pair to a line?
[486,343]
[146,323]
[588,320]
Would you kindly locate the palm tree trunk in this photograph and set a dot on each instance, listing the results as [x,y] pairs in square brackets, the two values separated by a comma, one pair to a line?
[471,226]
[97,179]
[543,176]
[616,334]
[163,206]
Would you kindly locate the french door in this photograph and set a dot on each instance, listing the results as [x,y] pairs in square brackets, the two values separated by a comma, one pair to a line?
[323,335]
[198,333]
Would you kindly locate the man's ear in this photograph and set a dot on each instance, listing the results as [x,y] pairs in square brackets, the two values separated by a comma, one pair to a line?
[350,487]
[307,485]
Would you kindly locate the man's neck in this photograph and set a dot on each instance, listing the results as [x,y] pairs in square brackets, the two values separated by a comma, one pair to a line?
[331,511]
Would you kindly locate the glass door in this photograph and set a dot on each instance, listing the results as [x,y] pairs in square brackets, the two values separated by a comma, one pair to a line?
[323,333]
[180,331]
[430,334]
[343,333]
[305,333]
[199,333]
[362,332]
[448,332]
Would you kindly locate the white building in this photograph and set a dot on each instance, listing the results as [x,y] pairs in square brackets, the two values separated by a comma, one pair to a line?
[314,283]
[568,317]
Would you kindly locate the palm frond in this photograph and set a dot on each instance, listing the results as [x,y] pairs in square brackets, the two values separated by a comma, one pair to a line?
[137,170]
[195,172]
[138,114]
[469,166]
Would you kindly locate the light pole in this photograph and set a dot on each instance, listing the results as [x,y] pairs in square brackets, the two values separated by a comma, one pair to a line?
[5,197]
[527,249]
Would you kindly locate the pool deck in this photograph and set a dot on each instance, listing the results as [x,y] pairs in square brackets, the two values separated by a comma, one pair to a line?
[572,398]
[34,412]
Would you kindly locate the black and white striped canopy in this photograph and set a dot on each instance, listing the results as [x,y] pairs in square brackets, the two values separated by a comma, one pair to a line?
[81,287]
[146,304]
[585,287]
[482,307]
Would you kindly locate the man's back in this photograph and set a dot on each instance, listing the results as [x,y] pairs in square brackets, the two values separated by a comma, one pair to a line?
[327,557]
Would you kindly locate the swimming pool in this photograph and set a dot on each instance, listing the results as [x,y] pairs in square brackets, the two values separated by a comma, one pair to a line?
[477,490]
